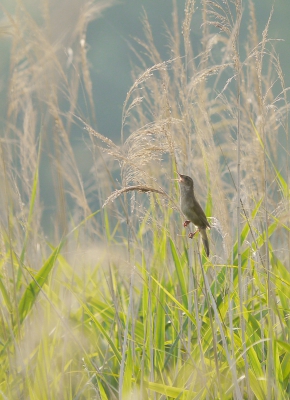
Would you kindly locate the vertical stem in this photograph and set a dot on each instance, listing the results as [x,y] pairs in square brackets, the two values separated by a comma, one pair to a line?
[8,201]
[190,306]
[125,344]
[212,303]
[270,368]
[198,320]
[240,272]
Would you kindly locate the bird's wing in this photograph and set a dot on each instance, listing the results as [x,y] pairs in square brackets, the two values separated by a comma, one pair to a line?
[205,241]
[199,211]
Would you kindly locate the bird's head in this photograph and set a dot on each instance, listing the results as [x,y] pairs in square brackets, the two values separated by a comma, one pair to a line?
[185,180]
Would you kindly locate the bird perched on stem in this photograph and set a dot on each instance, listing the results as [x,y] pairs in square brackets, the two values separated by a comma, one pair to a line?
[192,210]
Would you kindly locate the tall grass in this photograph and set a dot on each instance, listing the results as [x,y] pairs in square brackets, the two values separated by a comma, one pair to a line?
[116,302]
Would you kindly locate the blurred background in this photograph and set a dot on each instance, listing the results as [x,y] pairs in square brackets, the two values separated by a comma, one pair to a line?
[74,129]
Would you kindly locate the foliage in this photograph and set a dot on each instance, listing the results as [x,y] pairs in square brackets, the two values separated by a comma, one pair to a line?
[124,305]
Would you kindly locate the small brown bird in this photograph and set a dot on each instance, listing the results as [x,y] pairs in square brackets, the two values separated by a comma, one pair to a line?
[192,210]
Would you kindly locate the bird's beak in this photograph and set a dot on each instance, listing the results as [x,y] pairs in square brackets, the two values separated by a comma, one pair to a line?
[180,177]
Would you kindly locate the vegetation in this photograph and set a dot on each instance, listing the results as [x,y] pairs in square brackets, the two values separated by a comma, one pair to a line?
[116,302]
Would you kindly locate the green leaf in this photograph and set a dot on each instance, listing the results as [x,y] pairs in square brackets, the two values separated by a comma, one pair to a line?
[127,383]
[100,327]
[258,386]
[246,229]
[169,391]
[101,389]
[33,289]
[5,296]
[179,272]
[177,303]
[31,209]
[160,330]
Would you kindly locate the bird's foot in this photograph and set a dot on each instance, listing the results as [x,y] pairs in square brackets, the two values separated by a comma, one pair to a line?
[191,234]
[185,223]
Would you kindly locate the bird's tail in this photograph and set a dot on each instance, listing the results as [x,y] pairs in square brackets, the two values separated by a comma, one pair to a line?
[205,241]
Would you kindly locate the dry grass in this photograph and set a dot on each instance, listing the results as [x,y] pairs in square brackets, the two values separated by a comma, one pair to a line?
[196,103]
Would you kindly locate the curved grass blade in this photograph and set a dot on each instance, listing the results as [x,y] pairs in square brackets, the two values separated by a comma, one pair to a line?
[32,290]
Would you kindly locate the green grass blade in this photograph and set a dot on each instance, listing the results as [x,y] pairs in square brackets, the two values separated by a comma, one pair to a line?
[180,273]
[31,292]
[100,328]
[127,378]
[31,209]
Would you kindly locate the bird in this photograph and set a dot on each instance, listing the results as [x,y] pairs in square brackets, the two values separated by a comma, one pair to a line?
[192,210]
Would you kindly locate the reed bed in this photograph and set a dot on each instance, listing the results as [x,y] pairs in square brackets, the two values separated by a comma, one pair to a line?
[103,296]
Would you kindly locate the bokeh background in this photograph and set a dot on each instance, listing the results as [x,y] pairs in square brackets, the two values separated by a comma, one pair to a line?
[95,300]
